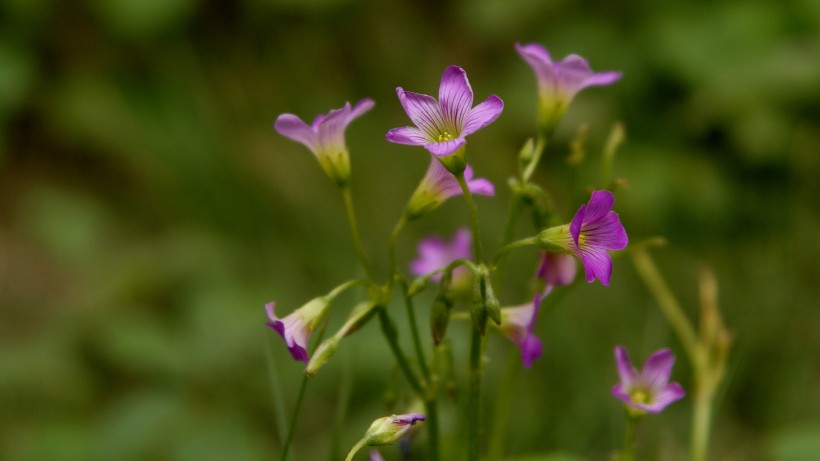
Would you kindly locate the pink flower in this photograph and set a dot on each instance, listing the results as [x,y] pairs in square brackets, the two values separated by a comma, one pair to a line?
[435,253]
[439,185]
[442,125]
[325,137]
[649,390]
[296,328]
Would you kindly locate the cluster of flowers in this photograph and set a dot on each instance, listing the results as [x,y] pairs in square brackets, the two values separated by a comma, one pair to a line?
[441,127]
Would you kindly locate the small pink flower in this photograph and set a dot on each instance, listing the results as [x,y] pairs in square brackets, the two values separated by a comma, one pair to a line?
[594,230]
[648,390]
[439,185]
[297,327]
[557,269]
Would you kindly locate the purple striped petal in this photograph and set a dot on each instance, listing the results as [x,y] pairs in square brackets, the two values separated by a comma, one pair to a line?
[669,394]
[478,186]
[482,115]
[360,108]
[423,111]
[603,78]
[597,264]
[657,369]
[409,135]
[455,97]
[626,370]
[599,205]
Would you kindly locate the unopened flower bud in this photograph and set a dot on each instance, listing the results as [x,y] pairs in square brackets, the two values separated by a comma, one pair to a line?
[389,429]
[440,317]
[323,353]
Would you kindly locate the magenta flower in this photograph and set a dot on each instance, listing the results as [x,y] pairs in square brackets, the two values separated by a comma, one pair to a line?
[442,125]
[297,327]
[559,82]
[325,137]
[375,455]
[435,253]
[649,390]
[556,269]
[596,229]
[439,185]
[517,324]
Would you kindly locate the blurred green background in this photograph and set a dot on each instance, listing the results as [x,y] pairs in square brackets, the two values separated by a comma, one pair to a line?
[148,210]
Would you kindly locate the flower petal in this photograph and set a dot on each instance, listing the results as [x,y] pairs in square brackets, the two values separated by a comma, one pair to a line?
[455,97]
[269,308]
[482,115]
[441,149]
[331,130]
[657,369]
[424,111]
[409,135]
[539,59]
[597,264]
[576,223]
[599,204]
[292,127]
[531,350]
[602,78]
[626,371]
[669,394]
[482,186]
[607,233]
[620,392]
[360,108]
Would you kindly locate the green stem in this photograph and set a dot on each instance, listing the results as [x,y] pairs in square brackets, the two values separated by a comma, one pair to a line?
[354,230]
[393,269]
[431,407]
[356,448]
[414,332]
[538,150]
[296,410]
[474,400]
[629,445]
[668,303]
[471,208]
[701,420]
[503,402]
[512,217]
[390,334]
[527,242]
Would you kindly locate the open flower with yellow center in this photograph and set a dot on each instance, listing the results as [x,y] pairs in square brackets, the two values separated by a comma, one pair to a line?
[442,125]
[648,390]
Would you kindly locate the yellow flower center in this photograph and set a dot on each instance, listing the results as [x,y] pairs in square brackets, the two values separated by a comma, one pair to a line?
[639,396]
[445,136]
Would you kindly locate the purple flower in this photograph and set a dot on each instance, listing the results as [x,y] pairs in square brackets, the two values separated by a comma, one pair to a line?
[559,82]
[297,327]
[439,185]
[375,455]
[435,253]
[594,230]
[325,137]
[517,324]
[557,269]
[649,390]
[442,125]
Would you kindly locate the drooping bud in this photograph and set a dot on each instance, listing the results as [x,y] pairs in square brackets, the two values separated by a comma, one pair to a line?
[389,429]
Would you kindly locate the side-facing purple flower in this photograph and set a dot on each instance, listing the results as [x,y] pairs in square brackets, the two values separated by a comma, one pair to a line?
[439,185]
[594,230]
[517,324]
[648,390]
[297,327]
[559,82]
[325,137]
[442,125]
[436,253]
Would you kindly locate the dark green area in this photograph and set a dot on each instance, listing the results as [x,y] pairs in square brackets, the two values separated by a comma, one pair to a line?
[148,210]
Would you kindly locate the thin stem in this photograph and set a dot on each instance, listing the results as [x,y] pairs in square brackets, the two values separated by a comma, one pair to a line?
[414,332]
[629,445]
[701,420]
[296,409]
[668,303]
[431,407]
[503,402]
[356,448]
[538,150]
[471,208]
[393,269]
[530,241]
[512,217]
[474,400]
[354,230]
[391,334]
